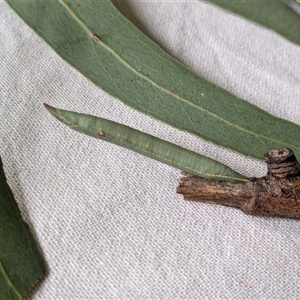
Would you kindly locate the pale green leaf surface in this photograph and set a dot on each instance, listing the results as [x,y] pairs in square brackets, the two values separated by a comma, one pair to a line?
[147,145]
[21,264]
[273,14]
[104,46]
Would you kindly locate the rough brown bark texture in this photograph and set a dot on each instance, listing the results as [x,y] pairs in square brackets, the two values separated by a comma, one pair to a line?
[276,195]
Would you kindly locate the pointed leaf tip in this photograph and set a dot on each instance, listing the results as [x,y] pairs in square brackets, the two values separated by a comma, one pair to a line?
[49,108]
[46,105]
[53,111]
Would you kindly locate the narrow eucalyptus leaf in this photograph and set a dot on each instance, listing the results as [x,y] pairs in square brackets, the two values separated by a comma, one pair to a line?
[273,14]
[21,263]
[146,145]
[104,46]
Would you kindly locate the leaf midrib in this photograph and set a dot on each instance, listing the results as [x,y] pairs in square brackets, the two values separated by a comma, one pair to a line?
[146,78]
[5,275]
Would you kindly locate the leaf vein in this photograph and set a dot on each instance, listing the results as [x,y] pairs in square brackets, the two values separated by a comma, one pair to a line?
[2,270]
[147,79]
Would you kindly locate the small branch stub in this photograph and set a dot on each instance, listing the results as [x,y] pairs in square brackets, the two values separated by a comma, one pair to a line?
[282,163]
[276,195]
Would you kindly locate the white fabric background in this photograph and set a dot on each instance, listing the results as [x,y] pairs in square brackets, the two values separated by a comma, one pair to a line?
[109,221]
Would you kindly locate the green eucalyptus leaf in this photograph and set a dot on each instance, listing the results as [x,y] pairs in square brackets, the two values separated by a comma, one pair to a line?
[273,14]
[146,145]
[21,263]
[109,50]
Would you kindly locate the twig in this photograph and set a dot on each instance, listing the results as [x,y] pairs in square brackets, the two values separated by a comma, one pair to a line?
[276,195]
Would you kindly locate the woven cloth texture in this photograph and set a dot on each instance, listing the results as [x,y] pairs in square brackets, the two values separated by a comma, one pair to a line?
[108,220]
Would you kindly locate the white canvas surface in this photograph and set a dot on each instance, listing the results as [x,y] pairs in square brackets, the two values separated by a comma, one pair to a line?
[108,220]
